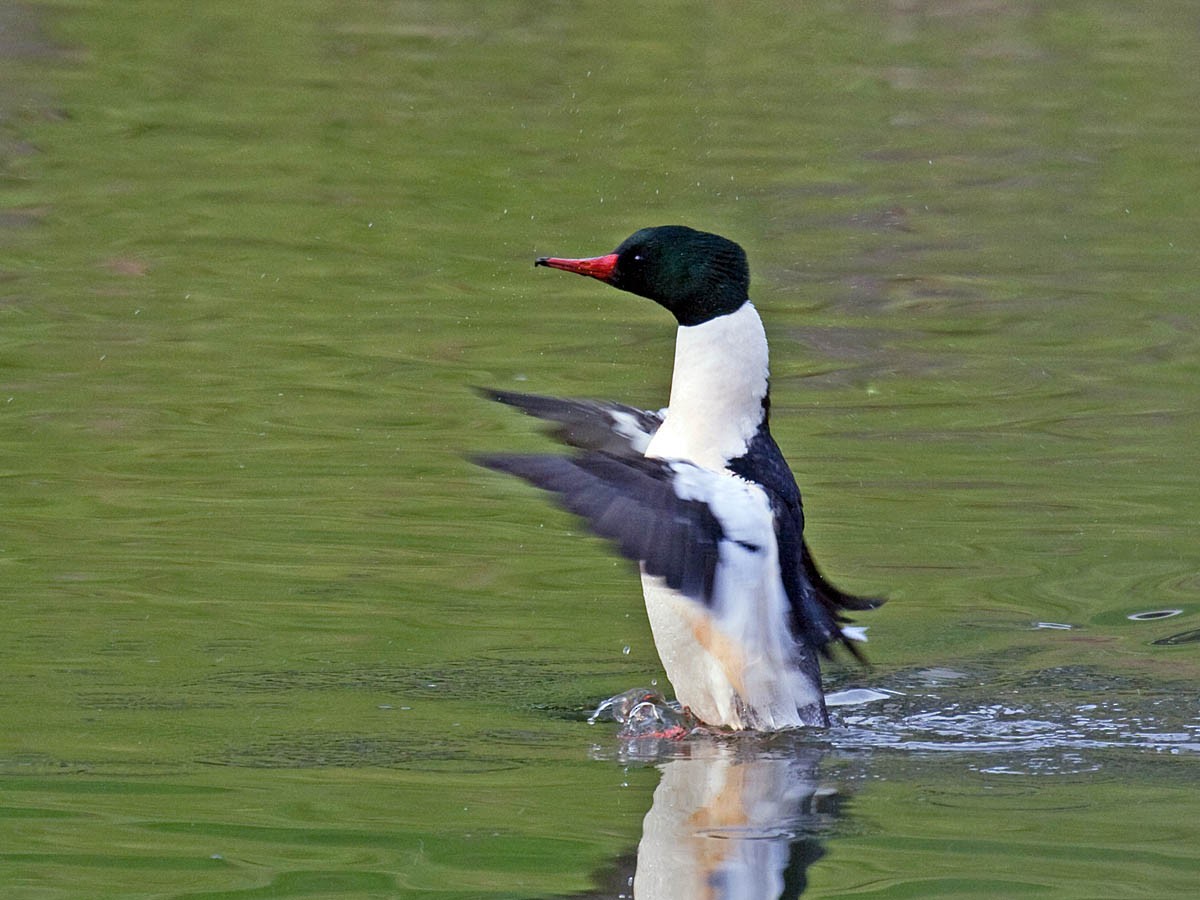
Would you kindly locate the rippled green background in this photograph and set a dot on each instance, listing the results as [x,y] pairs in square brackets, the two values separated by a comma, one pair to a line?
[265,633]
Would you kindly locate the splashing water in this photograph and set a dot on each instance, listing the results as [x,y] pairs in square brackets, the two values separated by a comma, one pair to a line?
[645,713]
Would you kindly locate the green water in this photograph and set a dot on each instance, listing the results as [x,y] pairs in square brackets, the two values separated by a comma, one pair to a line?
[266,634]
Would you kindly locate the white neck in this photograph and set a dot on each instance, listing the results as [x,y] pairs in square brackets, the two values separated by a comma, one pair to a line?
[717,389]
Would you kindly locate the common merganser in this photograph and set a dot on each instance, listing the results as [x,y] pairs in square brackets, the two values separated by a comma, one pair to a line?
[700,495]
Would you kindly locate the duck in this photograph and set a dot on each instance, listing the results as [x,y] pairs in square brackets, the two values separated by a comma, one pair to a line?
[699,495]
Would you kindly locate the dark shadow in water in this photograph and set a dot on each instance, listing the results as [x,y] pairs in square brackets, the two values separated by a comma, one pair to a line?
[1184,637]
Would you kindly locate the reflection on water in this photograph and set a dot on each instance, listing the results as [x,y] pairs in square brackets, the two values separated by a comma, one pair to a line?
[731,824]
[734,817]
[1183,637]
[744,815]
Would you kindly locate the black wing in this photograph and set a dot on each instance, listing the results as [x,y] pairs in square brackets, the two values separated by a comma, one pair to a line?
[817,606]
[588,424]
[632,501]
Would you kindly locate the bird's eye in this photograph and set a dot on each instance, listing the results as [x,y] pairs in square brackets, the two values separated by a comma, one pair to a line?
[637,257]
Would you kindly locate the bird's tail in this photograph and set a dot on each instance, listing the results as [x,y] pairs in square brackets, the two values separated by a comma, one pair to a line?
[836,603]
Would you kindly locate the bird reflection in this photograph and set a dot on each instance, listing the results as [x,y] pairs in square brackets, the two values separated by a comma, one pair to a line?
[732,819]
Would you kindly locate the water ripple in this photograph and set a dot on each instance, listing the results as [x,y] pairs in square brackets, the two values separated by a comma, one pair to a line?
[1050,722]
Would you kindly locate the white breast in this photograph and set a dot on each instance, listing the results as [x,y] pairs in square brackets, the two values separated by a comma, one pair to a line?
[717,389]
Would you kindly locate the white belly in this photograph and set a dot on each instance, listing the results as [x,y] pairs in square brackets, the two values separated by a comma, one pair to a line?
[698,664]
[734,671]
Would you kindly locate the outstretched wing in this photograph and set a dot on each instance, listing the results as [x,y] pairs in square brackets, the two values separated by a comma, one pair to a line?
[632,501]
[588,424]
[672,516]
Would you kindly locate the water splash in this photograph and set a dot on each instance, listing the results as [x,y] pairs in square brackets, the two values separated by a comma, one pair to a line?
[645,713]
[1051,722]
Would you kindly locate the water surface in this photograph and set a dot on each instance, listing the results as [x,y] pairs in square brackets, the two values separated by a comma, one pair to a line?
[268,634]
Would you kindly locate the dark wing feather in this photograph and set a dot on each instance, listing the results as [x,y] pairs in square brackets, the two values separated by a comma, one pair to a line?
[817,606]
[630,500]
[588,424]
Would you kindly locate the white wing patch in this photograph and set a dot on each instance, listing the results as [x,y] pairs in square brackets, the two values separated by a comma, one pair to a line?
[855,633]
[742,508]
[627,426]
